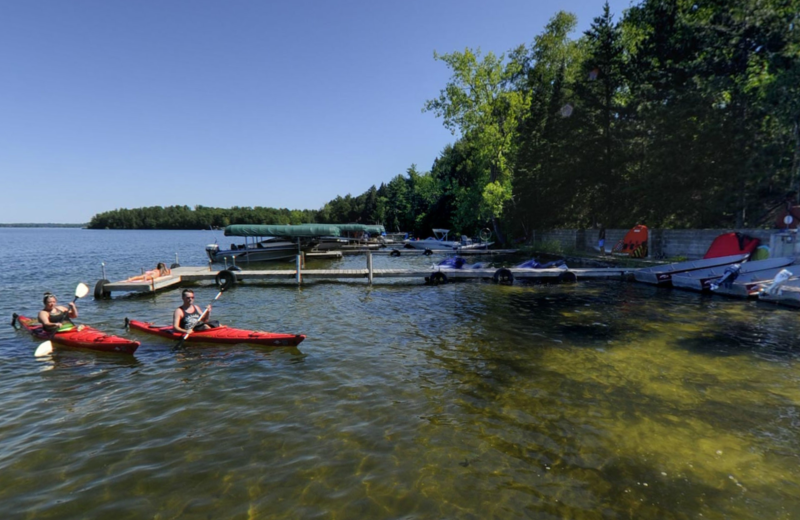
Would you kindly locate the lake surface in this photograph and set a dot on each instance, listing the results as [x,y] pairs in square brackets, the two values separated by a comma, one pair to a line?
[468,400]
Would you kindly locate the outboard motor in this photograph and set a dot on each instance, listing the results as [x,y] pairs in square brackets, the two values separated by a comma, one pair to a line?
[728,276]
[211,251]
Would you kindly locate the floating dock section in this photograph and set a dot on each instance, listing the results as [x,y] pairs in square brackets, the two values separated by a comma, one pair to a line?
[181,275]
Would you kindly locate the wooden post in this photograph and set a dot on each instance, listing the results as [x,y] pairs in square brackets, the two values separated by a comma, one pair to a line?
[369,266]
[303,255]
[299,276]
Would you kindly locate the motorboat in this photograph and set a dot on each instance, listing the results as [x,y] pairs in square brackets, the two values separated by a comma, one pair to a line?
[712,278]
[440,241]
[662,274]
[267,243]
[263,249]
[353,237]
[751,284]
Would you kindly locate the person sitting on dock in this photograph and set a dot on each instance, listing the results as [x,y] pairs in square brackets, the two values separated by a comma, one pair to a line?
[188,316]
[160,270]
[55,317]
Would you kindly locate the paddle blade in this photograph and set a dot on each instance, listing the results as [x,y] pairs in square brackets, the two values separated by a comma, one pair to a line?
[45,349]
[81,290]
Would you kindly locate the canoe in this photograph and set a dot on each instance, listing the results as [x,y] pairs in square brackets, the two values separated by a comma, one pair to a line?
[81,336]
[224,335]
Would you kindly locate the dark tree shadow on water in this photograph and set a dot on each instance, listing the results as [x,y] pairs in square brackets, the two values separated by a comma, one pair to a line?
[741,338]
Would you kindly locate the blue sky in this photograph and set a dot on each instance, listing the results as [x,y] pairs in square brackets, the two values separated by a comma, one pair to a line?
[109,104]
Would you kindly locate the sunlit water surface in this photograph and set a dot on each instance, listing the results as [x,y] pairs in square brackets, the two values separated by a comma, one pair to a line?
[468,400]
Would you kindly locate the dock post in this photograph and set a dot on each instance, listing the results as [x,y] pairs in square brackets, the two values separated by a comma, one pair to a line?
[103,269]
[303,263]
[299,276]
[369,266]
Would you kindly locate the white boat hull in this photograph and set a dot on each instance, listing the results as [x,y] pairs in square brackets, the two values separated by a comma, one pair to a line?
[662,274]
[702,280]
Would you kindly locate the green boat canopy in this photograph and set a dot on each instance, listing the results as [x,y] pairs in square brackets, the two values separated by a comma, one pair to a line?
[300,230]
[364,228]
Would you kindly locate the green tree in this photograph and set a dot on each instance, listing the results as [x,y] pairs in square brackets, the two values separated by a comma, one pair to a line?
[479,103]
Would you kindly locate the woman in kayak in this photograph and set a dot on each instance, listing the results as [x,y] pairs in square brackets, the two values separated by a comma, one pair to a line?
[160,270]
[54,317]
[187,316]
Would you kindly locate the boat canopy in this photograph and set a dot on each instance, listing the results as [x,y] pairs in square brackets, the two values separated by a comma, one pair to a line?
[300,230]
[276,230]
[363,228]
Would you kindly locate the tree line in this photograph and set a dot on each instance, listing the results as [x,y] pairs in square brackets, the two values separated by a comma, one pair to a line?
[677,114]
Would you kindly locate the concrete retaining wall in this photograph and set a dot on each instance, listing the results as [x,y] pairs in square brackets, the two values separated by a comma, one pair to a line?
[689,243]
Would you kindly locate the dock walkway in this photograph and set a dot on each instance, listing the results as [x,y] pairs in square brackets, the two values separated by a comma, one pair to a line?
[181,275]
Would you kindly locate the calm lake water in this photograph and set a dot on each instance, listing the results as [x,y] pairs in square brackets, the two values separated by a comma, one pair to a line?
[468,400]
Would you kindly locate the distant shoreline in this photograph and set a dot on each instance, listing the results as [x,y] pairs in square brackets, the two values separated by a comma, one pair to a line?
[49,225]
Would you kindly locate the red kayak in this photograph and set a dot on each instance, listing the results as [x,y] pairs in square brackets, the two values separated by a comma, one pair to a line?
[222,334]
[81,336]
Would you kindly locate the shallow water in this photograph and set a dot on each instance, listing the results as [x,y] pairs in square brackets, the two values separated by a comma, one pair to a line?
[468,400]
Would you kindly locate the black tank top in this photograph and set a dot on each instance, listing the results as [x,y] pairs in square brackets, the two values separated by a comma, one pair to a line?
[190,319]
[59,317]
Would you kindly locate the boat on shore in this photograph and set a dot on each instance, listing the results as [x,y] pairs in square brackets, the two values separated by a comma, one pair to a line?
[221,335]
[662,274]
[706,279]
[751,284]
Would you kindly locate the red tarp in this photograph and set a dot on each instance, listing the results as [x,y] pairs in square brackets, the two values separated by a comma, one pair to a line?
[731,244]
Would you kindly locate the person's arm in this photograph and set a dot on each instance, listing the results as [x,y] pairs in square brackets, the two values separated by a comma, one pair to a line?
[207,314]
[176,320]
[44,319]
[73,310]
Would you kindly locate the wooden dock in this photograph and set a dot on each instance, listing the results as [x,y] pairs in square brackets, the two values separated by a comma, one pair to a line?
[180,275]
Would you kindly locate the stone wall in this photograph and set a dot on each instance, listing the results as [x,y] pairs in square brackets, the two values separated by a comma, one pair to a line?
[689,243]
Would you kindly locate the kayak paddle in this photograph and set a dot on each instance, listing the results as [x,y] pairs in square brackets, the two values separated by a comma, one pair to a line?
[46,348]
